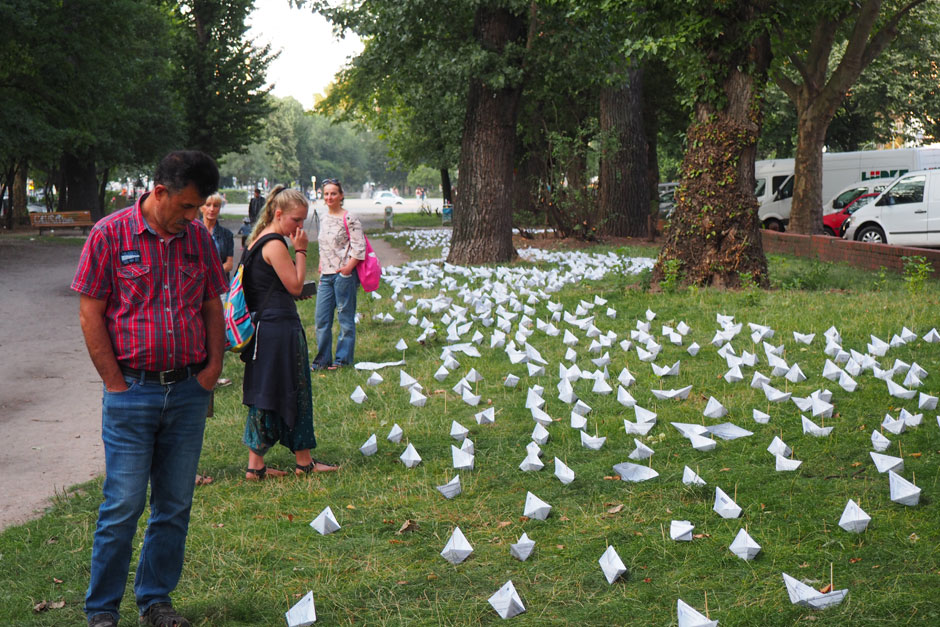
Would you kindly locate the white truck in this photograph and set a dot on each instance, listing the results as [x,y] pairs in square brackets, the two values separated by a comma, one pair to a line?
[869,168]
[905,214]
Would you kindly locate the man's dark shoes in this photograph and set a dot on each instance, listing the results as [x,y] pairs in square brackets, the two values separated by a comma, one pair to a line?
[102,620]
[163,615]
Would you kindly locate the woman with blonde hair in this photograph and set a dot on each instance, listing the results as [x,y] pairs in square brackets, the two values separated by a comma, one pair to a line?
[223,238]
[277,375]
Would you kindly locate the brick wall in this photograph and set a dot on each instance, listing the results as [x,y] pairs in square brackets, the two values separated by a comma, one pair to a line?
[825,248]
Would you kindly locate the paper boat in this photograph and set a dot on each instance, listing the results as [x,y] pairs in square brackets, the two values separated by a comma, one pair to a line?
[879,442]
[898,391]
[893,425]
[760,417]
[536,507]
[681,530]
[374,379]
[601,386]
[681,393]
[690,477]
[510,381]
[395,434]
[902,490]
[701,443]
[457,548]
[612,565]
[758,381]
[591,442]
[785,464]
[804,338]
[693,349]
[734,375]
[885,463]
[358,395]
[523,548]
[540,434]
[405,380]
[634,472]
[795,374]
[774,395]
[563,472]
[724,506]
[688,430]
[534,399]
[540,417]
[506,601]
[467,446]
[462,460]
[625,378]
[638,428]
[854,519]
[744,546]
[302,613]
[325,522]
[441,373]
[714,409]
[486,417]
[643,415]
[370,446]
[778,447]
[532,448]
[410,457]
[625,398]
[417,398]
[801,594]
[641,451]
[531,463]
[578,421]
[451,488]
[847,383]
[470,399]
[535,370]
[666,371]
[690,617]
[813,429]
[581,408]
[458,431]
[728,431]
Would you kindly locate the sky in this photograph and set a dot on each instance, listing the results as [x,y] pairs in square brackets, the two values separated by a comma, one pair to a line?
[310,54]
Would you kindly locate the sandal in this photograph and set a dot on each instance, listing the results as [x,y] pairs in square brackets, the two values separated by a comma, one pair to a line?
[261,473]
[203,479]
[163,615]
[102,620]
[313,467]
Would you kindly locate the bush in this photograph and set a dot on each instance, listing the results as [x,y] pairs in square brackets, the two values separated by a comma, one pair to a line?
[235,196]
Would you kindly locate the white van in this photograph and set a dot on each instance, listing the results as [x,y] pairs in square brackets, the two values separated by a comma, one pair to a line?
[905,214]
[841,169]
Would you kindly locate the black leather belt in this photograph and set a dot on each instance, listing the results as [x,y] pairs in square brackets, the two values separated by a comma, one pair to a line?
[164,377]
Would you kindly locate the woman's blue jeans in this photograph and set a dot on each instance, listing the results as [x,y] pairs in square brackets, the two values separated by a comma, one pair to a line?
[152,434]
[336,291]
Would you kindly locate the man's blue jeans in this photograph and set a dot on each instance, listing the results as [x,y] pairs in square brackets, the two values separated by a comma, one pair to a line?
[152,434]
[339,292]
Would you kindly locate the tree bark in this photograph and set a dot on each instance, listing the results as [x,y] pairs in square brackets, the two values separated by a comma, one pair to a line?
[20,211]
[446,190]
[81,180]
[623,194]
[483,211]
[713,237]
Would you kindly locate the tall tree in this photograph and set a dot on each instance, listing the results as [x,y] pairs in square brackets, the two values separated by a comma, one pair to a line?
[867,27]
[221,75]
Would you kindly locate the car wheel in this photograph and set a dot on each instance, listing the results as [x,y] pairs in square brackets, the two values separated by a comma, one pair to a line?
[773,225]
[829,231]
[871,235]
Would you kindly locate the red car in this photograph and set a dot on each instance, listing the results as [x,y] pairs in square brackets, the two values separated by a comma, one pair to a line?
[832,223]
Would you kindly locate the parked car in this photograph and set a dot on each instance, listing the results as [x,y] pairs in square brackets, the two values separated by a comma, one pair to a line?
[387,198]
[834,223]
[905,214]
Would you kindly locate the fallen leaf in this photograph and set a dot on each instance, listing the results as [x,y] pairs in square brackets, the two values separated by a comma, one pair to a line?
[564,519]
[504,523]
[409,525]
[724,470]
[698,535]
[612,478]
[58,605]
[560,546]
[637,533]
[913,537]
[647,580]
[856,464]
[432,576]
[854,560]
[826,589]
[804,565]
[762,506]
[42,606]
[290,518]
[876,566]
[394,541]
[350,506]
[56,580]
[218,525]
[523,518]
[914,455]
[388,521]
[615,509]
[298,595]
[402,583]
[668,511]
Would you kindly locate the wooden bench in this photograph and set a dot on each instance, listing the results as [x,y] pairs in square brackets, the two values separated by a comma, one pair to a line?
[62,220]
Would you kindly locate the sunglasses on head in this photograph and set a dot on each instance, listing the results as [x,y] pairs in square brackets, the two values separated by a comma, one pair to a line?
[331,181]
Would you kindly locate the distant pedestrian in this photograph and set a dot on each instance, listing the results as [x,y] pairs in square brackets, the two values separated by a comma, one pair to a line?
[255,205]
[150,281]
[224,239]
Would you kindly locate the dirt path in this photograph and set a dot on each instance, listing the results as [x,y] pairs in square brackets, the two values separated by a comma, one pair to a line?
[50,394]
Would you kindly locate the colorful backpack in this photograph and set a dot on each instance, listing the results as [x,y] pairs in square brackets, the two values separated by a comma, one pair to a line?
[239,325]
[369,269]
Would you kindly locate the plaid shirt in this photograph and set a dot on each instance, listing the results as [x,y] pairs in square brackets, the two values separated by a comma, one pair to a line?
[154,290]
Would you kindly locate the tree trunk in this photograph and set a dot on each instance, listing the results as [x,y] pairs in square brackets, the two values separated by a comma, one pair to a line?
[807,177]
[20,211]
[103,190]
[81,179]
[483,212]
[623,191]
[714,236]
[650,128]
[445,186]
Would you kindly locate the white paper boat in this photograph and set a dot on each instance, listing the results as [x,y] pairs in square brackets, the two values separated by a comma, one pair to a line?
[637,428]
[932,336]
[470,399]
[778,447]
[540,417]
[854,519]
[506,601]
[690,477]
[534,399]
[666,371]
[535,370]
[510,381]
[714,408]
[724,506]
[898,391]
[533,449]
[358,395]
[879,442]
[701,443]
[774,395]
[523,548]
[536,507]
[902,490]
[734,375]
[405,380]
[581,408]
[458,431]
[643,415]
[785,464]
[681,393]
[690,617]
[601,386]
[625,378]
[760,417]
[681,530]
[744,546]
[486,417]
[758,381]
[893,425]
[467,446]
[821,407]
[417,398]
[562,472]
[451,488]
[457,548]
[325,522]
[909,419]
[847,383]
[728,431]
[591,442]
[369,447]
[641,451]
[634,472]
[625,398]
[462,460]
[688,430]
[394,435]
[303,613]
[374,379]
[693,349]
[804,338]
[540,434]
[410,457]
[612,565]
[885,463]
[531,463]
[813,429]
[801,594]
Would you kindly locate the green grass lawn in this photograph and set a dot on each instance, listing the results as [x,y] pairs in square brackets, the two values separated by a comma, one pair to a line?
[251,553]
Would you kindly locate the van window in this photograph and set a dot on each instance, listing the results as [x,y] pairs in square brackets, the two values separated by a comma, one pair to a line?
[848,196]
[905,191]
[760,187]
[786,190]
[777,181]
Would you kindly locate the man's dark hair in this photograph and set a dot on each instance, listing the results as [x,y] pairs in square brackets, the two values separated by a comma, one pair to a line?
[179,169]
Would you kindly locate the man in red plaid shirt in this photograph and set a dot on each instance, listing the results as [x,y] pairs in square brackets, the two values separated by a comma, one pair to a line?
[150,280]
